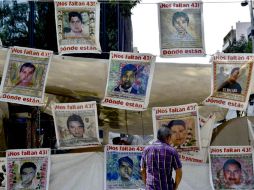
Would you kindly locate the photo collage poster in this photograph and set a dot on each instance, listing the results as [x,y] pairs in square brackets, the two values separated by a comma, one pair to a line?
[25,75]
[184,124]
[122,167]
[181,28]
[129,80]
[231,167]
[2,173]
[76,125]
[232,78]
[77,26]
[28,169]
[205,136]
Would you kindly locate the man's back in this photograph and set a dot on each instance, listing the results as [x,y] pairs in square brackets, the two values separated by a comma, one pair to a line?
[159,160]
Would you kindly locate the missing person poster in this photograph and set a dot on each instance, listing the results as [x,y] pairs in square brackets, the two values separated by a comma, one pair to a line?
[231,167]
[122,167]
[77,26]
[205,136]
[184,125]
[232,78]
[25,75]
[28,169]
[2,173]
[129,80]
[76,124]
[181,28]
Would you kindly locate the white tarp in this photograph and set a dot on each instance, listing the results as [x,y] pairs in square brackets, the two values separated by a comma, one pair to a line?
[85,171]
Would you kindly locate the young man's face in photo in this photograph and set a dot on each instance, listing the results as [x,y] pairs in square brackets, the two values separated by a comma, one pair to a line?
[27,176]
[232,174]
[76,129]
[234,75]
[179,134]
[181,25]
[125,171]
[127,79]
[76,25]
[26,74]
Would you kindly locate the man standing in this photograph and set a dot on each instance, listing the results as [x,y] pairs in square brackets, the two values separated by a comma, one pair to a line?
[128,77]
[158,161]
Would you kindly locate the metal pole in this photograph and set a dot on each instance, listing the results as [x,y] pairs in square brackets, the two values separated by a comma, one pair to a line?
[252,25]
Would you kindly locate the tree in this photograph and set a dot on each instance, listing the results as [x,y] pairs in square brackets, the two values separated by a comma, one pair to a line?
[14,23]
[240,46]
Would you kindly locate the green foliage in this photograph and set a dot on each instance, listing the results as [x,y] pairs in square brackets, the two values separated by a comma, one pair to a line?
[125,5]
[240,46]
[14,23]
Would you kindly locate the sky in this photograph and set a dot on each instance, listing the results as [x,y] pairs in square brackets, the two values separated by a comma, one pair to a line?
[219,17]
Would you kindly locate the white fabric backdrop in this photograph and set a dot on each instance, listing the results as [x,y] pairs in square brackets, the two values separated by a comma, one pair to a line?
[85,171]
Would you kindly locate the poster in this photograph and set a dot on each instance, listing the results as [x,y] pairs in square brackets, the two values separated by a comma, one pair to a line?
[181,28]
[77,26]
[25,75]
[231,81]
[129,80]
[205,136]
[231,167]
[183,122]
[251,131]
[2,173]
[122,167]
[76,124]
[28,169]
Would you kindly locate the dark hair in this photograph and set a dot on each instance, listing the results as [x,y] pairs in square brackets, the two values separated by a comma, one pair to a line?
[127,160]
[129,67]
[27,64]
[116,140]
[163,133]
[27,165]
[234,69]
[178,15]
[231,161]
[75,117]
[75,14]
[176,122]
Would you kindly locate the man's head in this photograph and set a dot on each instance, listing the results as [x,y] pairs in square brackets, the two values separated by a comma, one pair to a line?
[164,134]
[75,20]
[128,76]
[180,21]
[178,130]
[221,69]
[26,72]
[125,165]
[27,173]
[234,74]
[75,125]
[232,171]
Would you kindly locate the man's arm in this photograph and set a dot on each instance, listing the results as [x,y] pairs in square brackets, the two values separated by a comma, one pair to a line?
[178,177]
[143,174]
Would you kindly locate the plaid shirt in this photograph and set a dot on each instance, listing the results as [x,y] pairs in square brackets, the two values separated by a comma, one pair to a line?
[159,160]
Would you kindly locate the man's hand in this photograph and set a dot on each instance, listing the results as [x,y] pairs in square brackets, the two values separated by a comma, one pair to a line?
[143,174]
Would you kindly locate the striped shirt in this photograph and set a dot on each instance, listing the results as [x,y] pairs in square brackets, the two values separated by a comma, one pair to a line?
[159,160]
